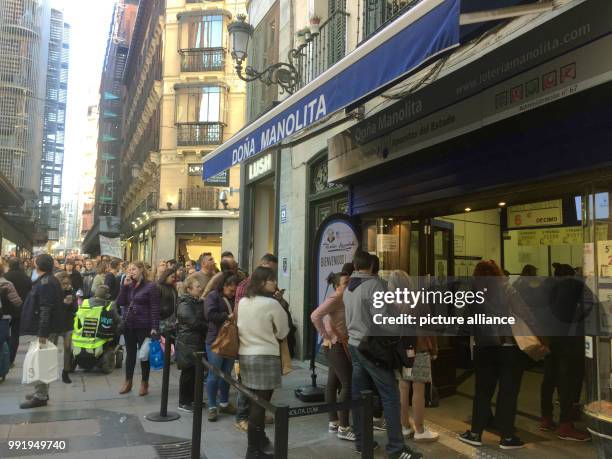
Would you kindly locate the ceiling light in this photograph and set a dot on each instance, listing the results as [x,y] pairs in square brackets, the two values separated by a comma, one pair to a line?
[468,209]
[501,204]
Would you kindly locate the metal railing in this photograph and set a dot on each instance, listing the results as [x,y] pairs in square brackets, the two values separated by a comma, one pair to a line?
[202,59]
[281,413]
[202,198]
[325,49]
[378,13]
[191,134]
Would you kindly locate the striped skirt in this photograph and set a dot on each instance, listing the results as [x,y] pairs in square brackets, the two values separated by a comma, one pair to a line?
[260,372]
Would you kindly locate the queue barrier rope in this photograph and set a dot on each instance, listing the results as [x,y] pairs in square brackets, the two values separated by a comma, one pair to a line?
[282,413]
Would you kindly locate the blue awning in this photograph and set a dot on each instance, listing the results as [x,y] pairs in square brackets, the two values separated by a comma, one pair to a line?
[423,32]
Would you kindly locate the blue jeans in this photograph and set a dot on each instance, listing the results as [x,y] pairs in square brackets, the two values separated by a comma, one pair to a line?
[364,374]
[214,383]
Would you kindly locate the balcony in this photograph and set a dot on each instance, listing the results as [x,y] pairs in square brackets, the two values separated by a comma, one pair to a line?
[192,134]
[325,49]
[199,198]
[378,13]
[202,60]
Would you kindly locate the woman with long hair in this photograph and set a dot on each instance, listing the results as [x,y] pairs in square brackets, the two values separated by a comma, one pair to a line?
[101,270]
[168,300]
[140,300]
[330,322]
[219,307]
[262,322]
[418,376]
[498,362]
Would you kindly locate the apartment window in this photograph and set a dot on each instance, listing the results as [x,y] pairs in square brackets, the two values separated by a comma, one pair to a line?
[205,31]
[200,114]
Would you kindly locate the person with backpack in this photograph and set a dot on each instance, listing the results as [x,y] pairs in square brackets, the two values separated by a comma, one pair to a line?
[23,284]
[358,300]
[111,279]
[42,316]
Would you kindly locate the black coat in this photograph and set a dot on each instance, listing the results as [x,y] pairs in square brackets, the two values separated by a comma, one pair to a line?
[43,312]
[76,280]
[69,310]
[167,301]
[21,281]
[88,277]
[191,330]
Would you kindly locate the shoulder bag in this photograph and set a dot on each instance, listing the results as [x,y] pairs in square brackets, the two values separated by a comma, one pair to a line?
[227,342]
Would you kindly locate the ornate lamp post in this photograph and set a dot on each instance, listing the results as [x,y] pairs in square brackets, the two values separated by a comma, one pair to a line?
[284,74]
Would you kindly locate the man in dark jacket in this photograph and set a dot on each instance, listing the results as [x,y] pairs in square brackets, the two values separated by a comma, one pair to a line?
[42,316]
[23,285]
[75,277]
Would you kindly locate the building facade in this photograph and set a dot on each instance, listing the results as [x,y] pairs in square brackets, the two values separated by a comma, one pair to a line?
[106,209]
[49,204]
[24,40]
[182,100]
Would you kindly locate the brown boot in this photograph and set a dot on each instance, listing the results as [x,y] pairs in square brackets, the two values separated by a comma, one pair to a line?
[144,389]
[127,387]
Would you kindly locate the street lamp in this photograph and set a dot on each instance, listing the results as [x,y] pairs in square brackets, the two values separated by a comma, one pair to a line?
[284,74]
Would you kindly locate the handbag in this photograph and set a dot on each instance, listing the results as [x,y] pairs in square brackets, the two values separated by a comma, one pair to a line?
[527,342]
[227,342]
[40,363]
[381,351]
[123,323]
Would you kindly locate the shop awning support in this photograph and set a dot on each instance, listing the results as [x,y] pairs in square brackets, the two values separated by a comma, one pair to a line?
[505,13]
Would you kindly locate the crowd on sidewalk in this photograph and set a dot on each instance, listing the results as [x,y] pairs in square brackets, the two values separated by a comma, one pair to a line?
[194,301]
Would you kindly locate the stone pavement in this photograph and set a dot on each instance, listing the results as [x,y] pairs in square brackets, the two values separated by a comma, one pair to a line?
[100,423]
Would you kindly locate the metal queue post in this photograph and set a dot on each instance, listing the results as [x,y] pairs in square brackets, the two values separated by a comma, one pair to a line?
[164,415]
[281,413]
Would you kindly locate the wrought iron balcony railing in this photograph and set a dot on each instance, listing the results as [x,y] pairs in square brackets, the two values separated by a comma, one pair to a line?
[200,198]
[192,134]
[202,59]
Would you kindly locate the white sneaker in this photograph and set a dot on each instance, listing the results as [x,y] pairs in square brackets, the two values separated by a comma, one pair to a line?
[346,433]
[333,427]
[426,437]
[379,423]
[407,432]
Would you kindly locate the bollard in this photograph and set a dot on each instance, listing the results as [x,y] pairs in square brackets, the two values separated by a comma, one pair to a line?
[163,415]
[281,432]
[367,434]
[196,431]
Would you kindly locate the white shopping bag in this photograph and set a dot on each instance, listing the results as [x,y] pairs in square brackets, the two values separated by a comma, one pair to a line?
[143,354]
[40,364]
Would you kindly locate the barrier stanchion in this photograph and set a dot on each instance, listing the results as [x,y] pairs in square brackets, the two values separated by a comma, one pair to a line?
[164,415]
[281,432]
[367,434]
[196,431]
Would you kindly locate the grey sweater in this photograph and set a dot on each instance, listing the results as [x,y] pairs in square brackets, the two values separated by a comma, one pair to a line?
[358,305]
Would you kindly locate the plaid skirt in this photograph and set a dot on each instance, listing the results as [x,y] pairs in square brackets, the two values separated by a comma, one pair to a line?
[420,371]
[260,372]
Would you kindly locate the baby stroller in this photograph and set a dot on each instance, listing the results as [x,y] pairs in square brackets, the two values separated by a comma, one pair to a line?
[95,341]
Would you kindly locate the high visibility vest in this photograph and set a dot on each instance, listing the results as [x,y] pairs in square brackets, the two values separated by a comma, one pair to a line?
[84,333]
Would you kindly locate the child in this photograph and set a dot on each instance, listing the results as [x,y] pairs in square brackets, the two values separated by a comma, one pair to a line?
[191,330]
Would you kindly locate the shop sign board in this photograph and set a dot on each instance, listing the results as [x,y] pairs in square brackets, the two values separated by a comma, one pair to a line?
[422,32]
[561,57]
[546,213]
[110,246]
[387,243]
[259,167]
[336,242]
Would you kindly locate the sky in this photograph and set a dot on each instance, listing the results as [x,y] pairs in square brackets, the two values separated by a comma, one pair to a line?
[90,22]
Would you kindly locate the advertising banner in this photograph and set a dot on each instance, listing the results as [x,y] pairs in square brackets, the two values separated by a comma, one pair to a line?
[110,246]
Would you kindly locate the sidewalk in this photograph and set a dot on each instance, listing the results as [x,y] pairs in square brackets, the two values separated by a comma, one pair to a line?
[100,423]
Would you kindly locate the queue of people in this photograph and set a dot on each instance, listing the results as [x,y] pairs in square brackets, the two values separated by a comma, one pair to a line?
[194,304]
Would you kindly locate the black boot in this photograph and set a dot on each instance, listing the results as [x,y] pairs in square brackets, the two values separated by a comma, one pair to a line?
[258,444]
[65,378]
